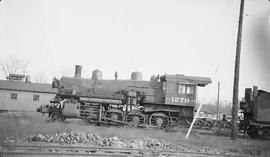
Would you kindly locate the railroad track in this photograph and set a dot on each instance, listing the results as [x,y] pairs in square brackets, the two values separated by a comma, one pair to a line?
[49,150]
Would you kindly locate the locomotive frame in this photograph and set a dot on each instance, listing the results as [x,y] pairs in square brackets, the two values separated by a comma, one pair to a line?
[163,101]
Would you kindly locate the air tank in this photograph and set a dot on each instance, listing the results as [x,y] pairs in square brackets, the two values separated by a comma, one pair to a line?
[97,75]
[136,76]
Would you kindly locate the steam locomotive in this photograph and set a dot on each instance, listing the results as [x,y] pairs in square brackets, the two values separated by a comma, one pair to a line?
[160,102]
[255,110]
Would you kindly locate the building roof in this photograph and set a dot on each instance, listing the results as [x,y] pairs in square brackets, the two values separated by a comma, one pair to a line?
[27,86]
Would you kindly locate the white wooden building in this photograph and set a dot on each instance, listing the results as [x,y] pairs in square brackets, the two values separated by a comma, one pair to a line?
[24,96]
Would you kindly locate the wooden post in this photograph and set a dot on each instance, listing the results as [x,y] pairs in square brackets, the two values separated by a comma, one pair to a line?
[236,74]
[100,113]
[218,100]
[194,119]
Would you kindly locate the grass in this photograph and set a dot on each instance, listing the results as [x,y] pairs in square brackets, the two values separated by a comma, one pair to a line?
[18,125]
[21,125]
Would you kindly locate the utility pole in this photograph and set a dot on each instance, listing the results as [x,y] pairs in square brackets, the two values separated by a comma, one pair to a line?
[236,74]
[218,100]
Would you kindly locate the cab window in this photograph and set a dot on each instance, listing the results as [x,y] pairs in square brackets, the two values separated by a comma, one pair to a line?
[190,89]
[181,89]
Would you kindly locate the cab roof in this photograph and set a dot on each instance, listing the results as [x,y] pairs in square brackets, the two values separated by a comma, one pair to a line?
[199,81]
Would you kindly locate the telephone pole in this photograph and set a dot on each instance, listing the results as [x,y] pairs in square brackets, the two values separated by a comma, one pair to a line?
[236,74]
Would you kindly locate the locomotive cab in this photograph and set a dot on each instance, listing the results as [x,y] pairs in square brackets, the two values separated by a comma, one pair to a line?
[181,90]
[180,93]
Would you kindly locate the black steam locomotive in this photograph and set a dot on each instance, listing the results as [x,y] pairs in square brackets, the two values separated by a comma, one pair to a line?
[255,110]
[160,102]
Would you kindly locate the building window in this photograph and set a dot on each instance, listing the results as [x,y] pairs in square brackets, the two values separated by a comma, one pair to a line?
[190,89]
[35,97]
[14,96]
[181,89]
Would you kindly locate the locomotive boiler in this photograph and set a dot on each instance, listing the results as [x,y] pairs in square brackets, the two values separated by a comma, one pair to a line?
[162,101]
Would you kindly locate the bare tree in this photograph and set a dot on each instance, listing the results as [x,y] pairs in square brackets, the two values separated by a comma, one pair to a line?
[13,65]
[68,71]
[40,78]
[224,107]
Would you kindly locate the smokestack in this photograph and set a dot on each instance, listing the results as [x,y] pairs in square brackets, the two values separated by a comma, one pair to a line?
[78,70]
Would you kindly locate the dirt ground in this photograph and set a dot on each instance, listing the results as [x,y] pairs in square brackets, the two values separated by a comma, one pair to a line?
[14,127]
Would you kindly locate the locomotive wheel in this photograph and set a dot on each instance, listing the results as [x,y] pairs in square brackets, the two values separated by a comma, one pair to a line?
[198,124]
[114,114]
[208,124]
[135,118]
[218,125]
[160,120]
[228,125]
[56,116]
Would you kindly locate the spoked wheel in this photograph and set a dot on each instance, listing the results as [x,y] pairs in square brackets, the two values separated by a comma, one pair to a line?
[135,118]
[56,116]
[228,125]
[198,124]
[208,124]
[115,115]
[160,120]
[218,125]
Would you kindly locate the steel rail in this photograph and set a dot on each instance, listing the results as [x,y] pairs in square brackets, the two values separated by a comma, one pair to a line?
[53,150]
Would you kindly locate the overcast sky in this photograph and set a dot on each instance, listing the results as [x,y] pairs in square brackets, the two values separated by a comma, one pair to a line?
[191,37]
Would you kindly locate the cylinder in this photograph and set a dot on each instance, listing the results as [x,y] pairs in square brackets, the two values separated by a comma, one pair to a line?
[78,70]
[97,75]
[136,76]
